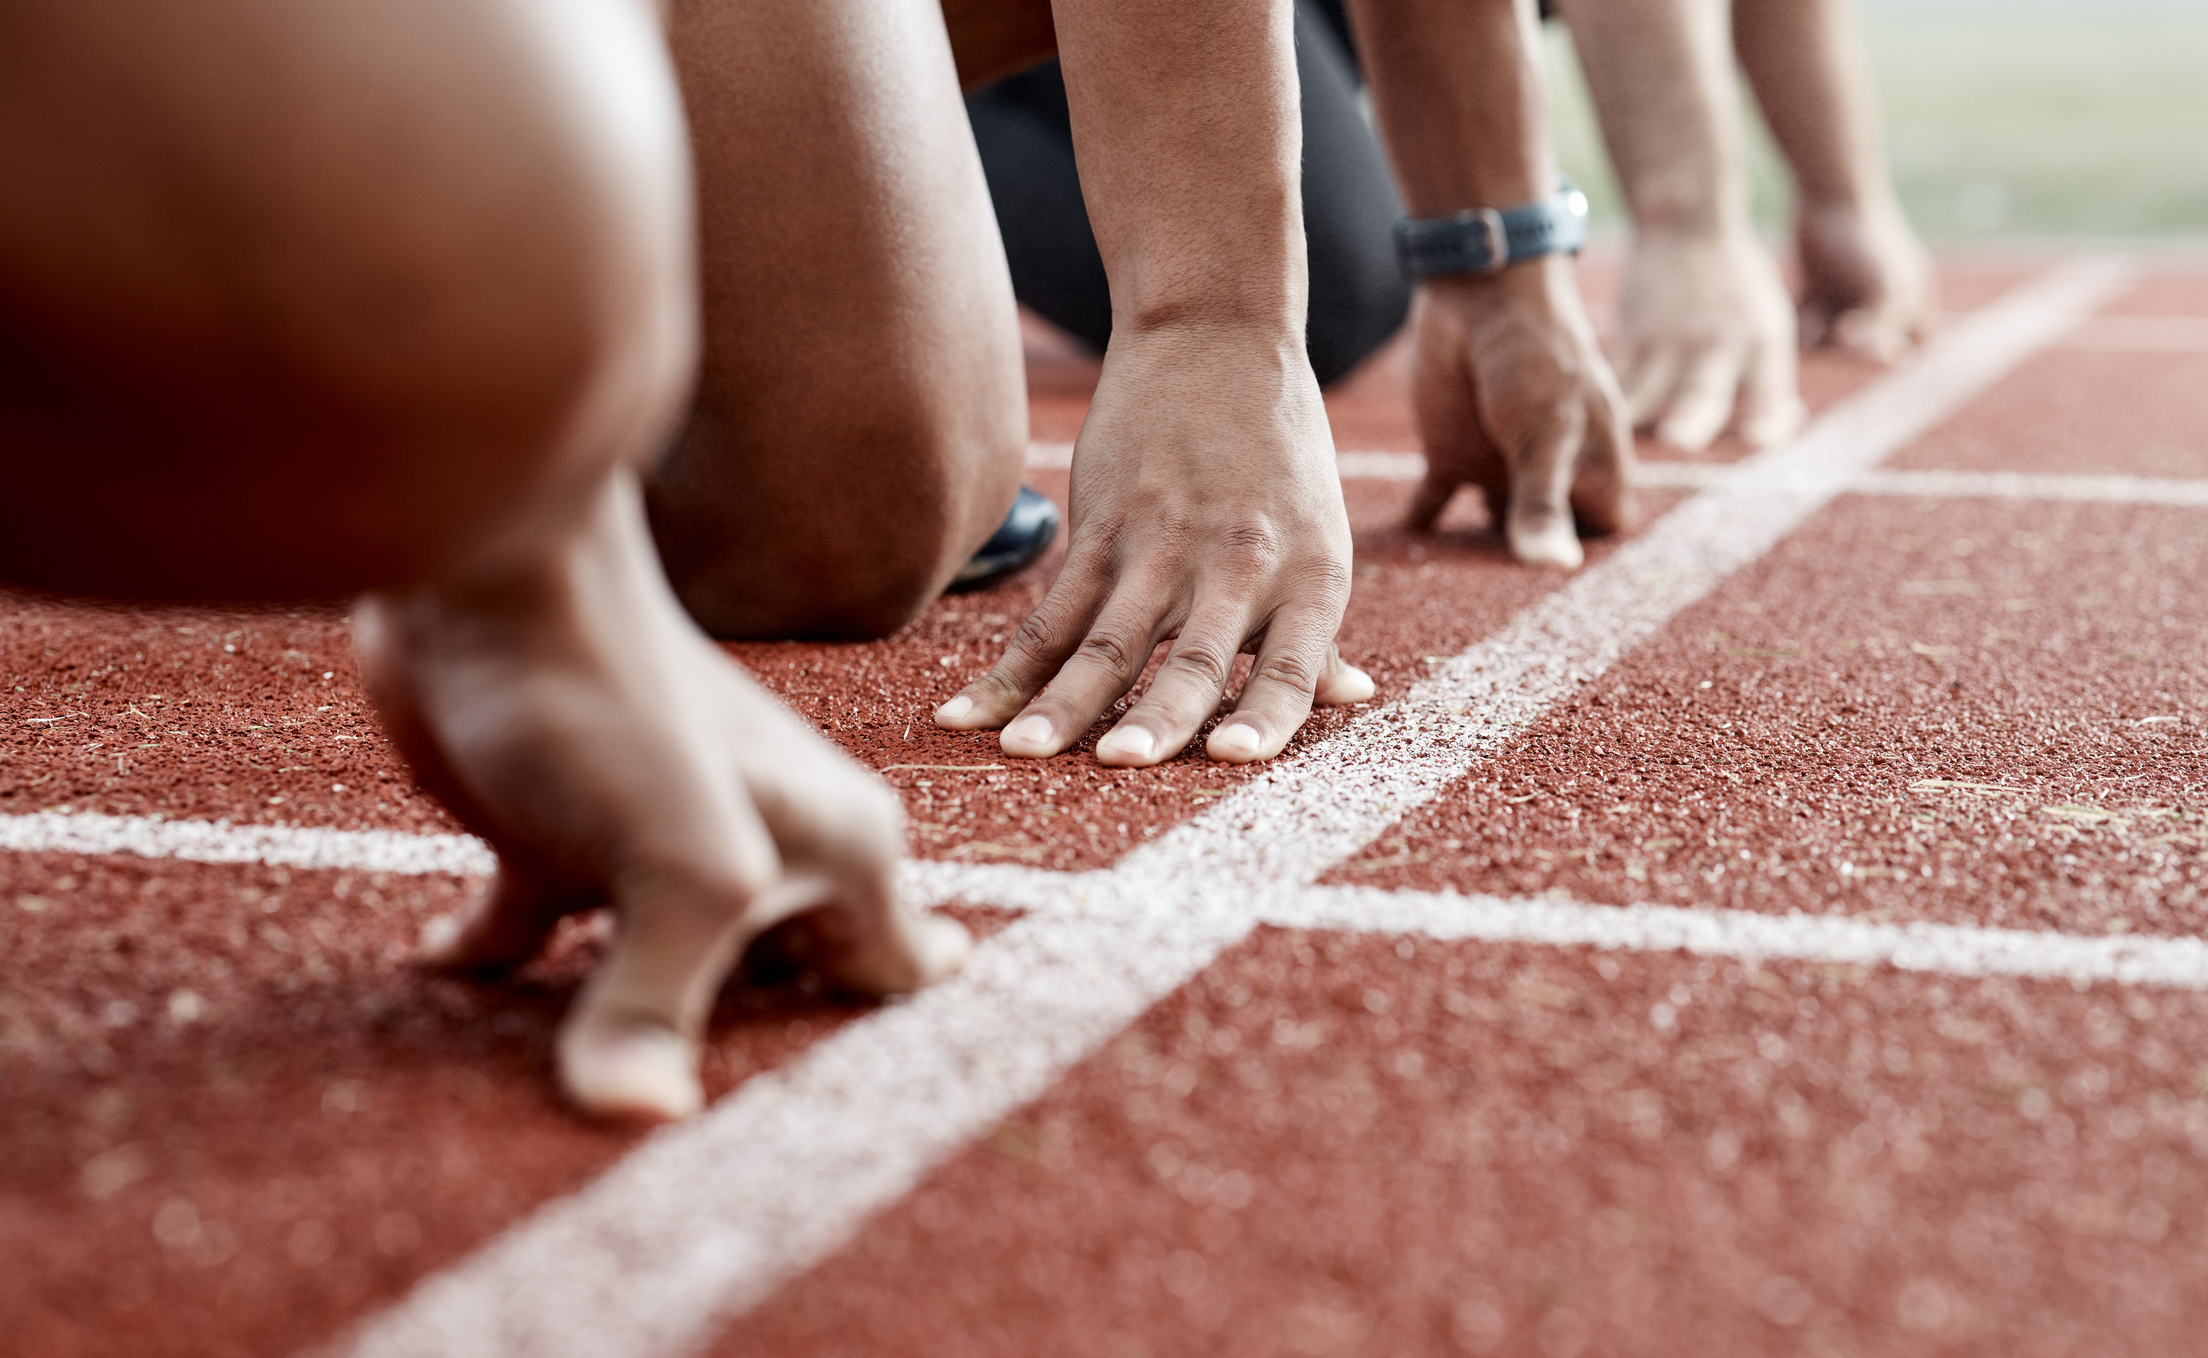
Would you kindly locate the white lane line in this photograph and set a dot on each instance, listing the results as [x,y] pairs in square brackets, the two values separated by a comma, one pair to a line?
[1177,902]
[1952,949]
[2141,335]
[1670,475]
[1559,921]
[2126,334]
[1357,466]
[925,883]
[1948,949]
[219,841]
[2108,489]
[2101,488]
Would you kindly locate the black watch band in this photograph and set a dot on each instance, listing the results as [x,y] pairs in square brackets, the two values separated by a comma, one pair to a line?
[1488,240]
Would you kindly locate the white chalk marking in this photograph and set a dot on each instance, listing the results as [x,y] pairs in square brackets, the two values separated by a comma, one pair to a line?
[1558,921]
[1381,466]
[221,842]
[704,1220]
[2106,488]
[2125,334]
[2100,488]
[2140,335]
[1948,949]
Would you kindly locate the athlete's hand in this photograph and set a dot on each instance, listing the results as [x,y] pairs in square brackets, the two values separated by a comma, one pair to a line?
[569,713]
[1867,282]
[1514,397]
[1206,511]
[1705,319]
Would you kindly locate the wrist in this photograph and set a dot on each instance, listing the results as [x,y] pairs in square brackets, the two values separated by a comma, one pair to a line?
[1538,287]
[1871,203]
[1488,240]
[1703,201]
[1720,234]
[1210,326]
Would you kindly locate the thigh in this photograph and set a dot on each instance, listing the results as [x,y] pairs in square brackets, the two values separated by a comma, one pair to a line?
[860,418]
[301,296]
[1359,298]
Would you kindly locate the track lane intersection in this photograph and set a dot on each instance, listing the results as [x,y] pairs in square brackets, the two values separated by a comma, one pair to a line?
[859,692]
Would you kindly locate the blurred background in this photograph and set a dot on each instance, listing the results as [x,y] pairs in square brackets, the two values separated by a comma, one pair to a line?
[2005,119]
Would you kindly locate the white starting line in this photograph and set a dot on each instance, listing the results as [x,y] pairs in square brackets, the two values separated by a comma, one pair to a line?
[704,1220]
[2104,488]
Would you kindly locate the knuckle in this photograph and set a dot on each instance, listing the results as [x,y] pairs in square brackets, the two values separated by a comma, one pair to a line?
[998,687]
[1111,649]
[1201,661]
[1259,541]
[1289,668]
[1037,636]
[1330,580]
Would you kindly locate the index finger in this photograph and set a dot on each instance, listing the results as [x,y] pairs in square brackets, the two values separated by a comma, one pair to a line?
[1539,526]
[1046,639]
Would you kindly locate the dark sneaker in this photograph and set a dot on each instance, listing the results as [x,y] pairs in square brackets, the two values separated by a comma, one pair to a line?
[1025,534]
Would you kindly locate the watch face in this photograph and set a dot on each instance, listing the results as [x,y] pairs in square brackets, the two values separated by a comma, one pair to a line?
[1575,202]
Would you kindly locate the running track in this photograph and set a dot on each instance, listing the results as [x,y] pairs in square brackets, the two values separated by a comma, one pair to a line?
[1779,936]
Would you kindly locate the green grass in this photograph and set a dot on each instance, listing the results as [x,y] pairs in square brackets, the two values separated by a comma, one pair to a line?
[2004,118]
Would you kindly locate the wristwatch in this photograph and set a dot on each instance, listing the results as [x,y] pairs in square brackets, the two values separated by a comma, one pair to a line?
[1488,240]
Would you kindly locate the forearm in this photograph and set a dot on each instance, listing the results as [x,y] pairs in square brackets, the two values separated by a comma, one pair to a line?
[1458,90]
[1185,129]
[1805,60]
[1661,75]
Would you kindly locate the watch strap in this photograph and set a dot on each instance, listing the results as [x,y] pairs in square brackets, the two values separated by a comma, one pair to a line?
[1489,240]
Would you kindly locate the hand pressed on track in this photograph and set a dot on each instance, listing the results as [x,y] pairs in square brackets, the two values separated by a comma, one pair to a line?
[1705,319]
[1867,281]
[1513,396]
[571,714]
[1206,511]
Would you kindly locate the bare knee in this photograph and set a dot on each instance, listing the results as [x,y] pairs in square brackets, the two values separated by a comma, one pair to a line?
[848,537]
[441,302]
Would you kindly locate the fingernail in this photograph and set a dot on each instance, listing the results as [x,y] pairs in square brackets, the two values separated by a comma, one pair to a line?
[642,1075]
[1556,545]
[944,946]
[1126,742]
[1236,740]
[955,709]
[439,937]
[1351,685]
[1031,733]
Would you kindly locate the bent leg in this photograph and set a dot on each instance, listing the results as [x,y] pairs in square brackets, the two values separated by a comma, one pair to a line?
[861,420]
[302,298]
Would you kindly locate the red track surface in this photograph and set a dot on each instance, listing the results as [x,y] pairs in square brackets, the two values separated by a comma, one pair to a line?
[236,1120]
